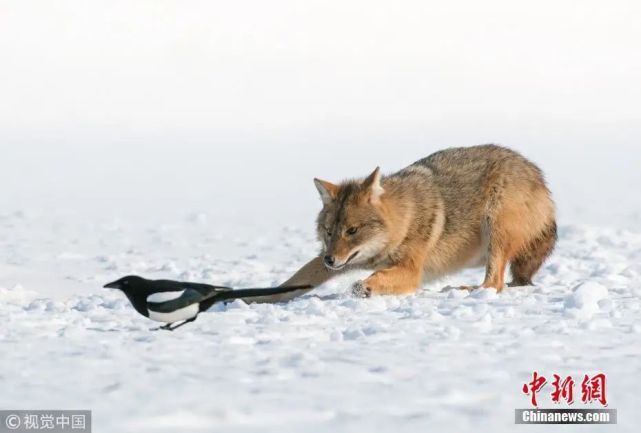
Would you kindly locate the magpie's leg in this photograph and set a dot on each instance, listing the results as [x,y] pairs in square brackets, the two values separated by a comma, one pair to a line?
[166,327]
[181,324]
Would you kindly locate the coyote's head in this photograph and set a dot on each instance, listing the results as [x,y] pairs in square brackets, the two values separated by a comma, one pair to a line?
[351,226]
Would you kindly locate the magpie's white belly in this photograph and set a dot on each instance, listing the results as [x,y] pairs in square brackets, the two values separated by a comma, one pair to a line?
[175,316]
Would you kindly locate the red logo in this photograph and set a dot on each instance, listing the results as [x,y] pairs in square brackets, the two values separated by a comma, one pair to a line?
[592,389]
[563,389]
[533,387]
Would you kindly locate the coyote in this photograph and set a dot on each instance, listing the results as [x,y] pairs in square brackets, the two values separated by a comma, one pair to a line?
[460,207]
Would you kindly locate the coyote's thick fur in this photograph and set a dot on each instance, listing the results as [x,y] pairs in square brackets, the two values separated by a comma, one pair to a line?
[476,206]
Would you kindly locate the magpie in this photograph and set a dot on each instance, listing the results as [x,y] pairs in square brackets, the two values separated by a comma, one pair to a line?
[177,301]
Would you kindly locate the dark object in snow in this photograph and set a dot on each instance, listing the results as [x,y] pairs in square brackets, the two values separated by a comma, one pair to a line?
[177,301]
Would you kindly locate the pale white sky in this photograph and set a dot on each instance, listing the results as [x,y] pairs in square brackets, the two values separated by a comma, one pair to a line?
[188,100]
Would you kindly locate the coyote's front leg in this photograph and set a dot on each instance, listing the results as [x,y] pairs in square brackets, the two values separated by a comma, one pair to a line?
[401,278]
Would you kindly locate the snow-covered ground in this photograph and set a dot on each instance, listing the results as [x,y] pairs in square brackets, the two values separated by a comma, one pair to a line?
[439,360]
[179,139]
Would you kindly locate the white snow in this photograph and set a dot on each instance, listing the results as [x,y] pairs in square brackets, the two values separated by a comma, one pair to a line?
[586,298]
[448,360]
[179,140]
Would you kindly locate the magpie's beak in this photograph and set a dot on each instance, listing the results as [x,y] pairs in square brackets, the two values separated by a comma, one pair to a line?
[114,285]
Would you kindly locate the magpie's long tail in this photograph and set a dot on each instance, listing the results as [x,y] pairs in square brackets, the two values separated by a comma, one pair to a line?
[261,295]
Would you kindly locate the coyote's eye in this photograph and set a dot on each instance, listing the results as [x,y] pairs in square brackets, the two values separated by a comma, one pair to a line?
[329,233]
[351,231]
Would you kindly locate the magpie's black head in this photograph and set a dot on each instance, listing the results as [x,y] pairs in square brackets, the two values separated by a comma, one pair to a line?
[128,283]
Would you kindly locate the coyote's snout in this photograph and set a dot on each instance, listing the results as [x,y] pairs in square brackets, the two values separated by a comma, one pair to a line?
[351,226]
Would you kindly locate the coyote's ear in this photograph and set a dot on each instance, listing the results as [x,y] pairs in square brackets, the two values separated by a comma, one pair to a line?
[373,185]
[328,191]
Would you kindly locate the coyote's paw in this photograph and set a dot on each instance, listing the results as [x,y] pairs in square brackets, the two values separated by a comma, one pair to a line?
[360,290]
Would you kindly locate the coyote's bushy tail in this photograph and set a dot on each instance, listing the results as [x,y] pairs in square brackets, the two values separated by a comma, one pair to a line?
[530,258]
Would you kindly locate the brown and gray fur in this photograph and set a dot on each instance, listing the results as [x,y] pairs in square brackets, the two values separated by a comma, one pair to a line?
[461,207]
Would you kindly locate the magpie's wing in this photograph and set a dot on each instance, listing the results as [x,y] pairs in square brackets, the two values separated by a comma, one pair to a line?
[188,297]
[182,285]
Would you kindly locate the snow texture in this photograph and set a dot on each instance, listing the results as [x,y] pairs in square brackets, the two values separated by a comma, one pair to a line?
[444,359]
[179,140]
